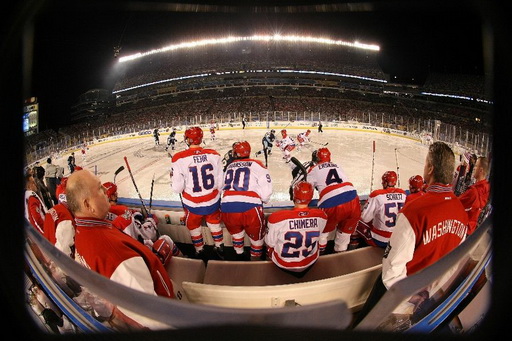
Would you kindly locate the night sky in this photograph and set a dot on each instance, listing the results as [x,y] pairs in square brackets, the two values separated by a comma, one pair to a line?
[73,45]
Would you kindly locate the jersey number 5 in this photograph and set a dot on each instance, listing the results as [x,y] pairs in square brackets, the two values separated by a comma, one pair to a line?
[391,210]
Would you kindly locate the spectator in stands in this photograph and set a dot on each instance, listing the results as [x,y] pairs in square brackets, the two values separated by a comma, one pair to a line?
[35,209]
[247,186]
[109,252]
[416,184]
[50,175]
[476,197]
[414,244]
[292,235]
[379,213]
[338,199]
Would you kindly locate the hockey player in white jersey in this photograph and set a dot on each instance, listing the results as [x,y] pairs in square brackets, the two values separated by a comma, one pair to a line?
[247,186]
[303,139]
[286,144]
[338,199]
[197,176]
[292,236]
[380,211]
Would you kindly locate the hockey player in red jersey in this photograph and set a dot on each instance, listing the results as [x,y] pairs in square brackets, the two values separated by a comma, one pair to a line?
[247,186]
[378,216]
[338,198]
[292,236]
[197,176]
[416,184]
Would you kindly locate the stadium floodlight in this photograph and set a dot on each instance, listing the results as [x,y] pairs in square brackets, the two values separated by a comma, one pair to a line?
[262,38]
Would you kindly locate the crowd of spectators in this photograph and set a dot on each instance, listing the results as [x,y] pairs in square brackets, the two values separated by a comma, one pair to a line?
[403,113]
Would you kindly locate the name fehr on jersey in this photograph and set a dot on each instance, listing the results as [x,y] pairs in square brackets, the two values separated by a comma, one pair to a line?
[197,174]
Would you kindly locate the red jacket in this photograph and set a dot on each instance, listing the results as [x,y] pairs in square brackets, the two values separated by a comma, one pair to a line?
[474,200]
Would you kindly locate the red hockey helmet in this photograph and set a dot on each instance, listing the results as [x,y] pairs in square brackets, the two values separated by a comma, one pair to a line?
[194,135]
[389,179]
[323,155]
[308,132]
[415,183]
[241,149]
[111,188]
[283,133]
[302,192]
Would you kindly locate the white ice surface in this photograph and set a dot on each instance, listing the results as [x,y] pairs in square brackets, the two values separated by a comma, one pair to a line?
[351,150]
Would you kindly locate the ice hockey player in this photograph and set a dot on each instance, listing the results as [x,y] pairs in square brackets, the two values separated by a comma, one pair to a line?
[303,226]
[171,140]
[416,184]
[303,138]
[247,186]
[133,223]
[338,199]
[286,144]
[267,142]
[197,175]
[156,135]
[379,213]
[213,126]
[300,170]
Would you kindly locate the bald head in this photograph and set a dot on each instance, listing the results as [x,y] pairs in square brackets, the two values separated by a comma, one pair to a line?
[86,196]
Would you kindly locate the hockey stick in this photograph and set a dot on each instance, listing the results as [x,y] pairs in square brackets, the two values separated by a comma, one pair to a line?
[373,164]
[151,193]
[301,167]
[322,144]
[136,188]
[397,168]
[119,170]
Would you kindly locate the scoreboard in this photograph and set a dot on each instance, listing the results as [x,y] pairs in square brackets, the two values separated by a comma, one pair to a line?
[30,116]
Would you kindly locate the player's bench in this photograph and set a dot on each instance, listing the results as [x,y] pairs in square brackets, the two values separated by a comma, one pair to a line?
[352,288]
[256,273]
[181,269]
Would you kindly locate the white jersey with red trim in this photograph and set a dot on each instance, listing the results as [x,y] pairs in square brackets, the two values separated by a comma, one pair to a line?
[197,175]
[247,184]
[381,211]
[286,143]
[332,184]
[303,138]
[293,235]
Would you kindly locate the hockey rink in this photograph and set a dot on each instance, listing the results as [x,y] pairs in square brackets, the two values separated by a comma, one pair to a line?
[351,150]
